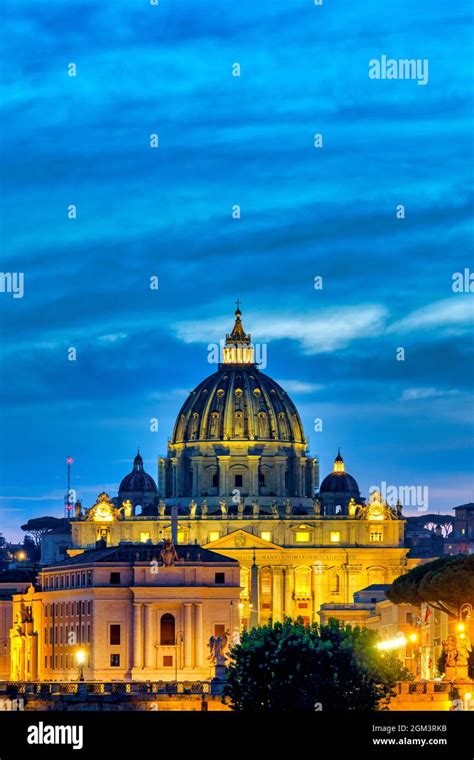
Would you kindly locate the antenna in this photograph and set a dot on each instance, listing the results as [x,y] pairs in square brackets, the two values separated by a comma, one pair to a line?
[68,505]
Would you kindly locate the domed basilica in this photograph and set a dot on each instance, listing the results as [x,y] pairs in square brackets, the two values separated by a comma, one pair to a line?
[238,480]
[239,433]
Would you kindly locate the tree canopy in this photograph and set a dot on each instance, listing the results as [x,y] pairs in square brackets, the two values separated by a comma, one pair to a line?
[445,583]
[290,666]
[37,526]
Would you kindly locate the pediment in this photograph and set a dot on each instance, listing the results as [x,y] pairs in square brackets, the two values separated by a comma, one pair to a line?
[240,539]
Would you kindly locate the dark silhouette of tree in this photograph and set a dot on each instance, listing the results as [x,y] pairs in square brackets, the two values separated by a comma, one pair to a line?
[38,526]
[290,666]
[445,584]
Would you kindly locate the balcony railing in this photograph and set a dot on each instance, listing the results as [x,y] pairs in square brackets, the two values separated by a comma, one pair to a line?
[49,688]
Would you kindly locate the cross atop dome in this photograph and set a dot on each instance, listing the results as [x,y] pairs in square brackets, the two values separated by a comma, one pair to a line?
[238,348]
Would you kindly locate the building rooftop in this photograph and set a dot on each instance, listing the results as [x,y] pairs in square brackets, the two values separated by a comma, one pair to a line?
[142,553]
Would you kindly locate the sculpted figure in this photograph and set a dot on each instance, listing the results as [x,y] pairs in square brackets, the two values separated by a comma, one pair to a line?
[275,512]
[192,508]
[240,508]
[161,508]
[204,508]
[223,506]
[288,508]
[255,508]
[451,649]
[168,553]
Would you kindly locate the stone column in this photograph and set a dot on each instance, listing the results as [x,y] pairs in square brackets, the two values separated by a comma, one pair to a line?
[34,656]
[316,577]
[223,475]
[149,636]
[277,593]
[253,461]
[188,636]
[289,585]
[137,636]
[198,653]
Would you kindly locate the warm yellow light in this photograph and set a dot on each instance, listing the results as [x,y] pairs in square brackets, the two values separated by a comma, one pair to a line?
[302,537]
[144,537]
[266,535]
[468,695]
[413,637]
[80,657]
[461,627]
[213,535]
[21,555]
[335,536]
[399,641]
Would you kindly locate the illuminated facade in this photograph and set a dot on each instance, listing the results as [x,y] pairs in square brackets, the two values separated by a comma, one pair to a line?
[125,613]
[239,477]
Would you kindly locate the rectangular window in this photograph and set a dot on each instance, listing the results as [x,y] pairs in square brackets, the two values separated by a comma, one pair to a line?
[220,578]
[114,635]
[115,578]
[215,480]
[302,537]
[88,608]
[89,577]
[335,536]
[266,535]
[144,537]
[46,661]
[167,661]
[219,629]
[114,660]
[239,481]
[214,535]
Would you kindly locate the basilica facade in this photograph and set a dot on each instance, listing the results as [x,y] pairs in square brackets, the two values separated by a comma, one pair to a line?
[238,480]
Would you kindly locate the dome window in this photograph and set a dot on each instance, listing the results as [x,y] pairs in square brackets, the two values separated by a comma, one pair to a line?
[238,392]
[220,392]
[257,392]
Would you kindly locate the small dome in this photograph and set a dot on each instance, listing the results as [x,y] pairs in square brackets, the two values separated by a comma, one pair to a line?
[138,481]
[339,481]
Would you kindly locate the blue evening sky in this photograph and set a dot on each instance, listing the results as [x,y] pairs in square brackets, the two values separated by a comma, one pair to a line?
[305,211]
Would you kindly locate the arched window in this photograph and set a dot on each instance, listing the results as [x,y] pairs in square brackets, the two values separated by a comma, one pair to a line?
[167,630]
[239,424]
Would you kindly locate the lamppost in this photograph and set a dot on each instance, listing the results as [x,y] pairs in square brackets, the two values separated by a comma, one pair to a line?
[80,660]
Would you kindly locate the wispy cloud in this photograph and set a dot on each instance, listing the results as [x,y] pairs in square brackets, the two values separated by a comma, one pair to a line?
[456,312]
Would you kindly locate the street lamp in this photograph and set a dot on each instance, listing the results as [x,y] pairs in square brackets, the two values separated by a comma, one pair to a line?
[80,660]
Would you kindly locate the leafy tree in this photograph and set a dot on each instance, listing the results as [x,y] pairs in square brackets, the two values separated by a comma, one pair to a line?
[445,584]
[290,666]
[38,526]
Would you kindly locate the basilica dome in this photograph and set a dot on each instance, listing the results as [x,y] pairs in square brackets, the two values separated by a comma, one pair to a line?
[138,481]
[339,481]
[238,403]
[239,429]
